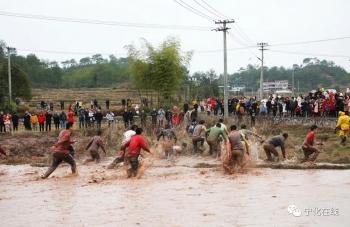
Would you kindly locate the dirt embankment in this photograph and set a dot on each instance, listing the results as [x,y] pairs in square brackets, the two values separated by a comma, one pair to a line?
[28,147]
[33,147]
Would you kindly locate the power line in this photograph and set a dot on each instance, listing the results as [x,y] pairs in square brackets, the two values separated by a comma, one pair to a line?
[117,54]
[243,34]
[195,51]
[208,9]
[244,39]
[243,45]
[193,10]
[239,30]
[223,15]
[310,41]
[101,22]
[238,40]
[313,54]
[67,52]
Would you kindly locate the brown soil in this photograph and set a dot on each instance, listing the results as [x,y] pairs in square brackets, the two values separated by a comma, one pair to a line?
[32,147]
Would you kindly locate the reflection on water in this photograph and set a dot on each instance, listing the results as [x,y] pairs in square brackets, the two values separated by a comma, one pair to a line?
[171,194]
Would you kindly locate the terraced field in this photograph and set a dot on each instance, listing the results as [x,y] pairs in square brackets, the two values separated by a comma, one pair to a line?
[86,95]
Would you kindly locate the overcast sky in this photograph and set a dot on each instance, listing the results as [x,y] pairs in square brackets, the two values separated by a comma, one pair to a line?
[272,21]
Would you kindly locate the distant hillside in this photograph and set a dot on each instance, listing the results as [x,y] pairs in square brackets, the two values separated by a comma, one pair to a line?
[97,75]
[92,71]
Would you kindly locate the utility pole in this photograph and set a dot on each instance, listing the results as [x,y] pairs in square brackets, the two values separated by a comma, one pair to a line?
[224,30]
[9,49]
[262,49]
[298,88]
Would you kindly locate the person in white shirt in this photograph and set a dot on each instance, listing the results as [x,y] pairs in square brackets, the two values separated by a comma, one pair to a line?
[110,118]
[126,138]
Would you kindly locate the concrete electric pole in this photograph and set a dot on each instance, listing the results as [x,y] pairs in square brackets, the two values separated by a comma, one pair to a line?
[9,49]
[224,30]
[262,48]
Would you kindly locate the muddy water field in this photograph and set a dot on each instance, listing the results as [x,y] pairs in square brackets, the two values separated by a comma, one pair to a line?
[188,190]
[172,194]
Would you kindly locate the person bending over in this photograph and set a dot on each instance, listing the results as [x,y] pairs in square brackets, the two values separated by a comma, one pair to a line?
[135,144]
[271,144]
[310,152]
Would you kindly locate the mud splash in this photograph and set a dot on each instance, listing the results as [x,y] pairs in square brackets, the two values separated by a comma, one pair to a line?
[170,194]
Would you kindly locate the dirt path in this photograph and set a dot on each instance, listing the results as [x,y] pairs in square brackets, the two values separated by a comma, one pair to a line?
[171,194]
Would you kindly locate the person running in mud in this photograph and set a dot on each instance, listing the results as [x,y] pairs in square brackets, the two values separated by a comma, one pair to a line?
[213,138]
[167,133]
[234,150]
[198,136]
[310,152]
[135,144]
[93,146]
[169,138]
[245,137]
[223,126]
[121,154]
[61,151]
[271,144]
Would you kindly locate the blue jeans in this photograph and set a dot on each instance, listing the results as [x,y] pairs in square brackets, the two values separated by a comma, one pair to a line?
[63,124]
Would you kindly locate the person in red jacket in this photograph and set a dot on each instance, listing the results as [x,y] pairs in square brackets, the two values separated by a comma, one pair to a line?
[61,151]
[41,120]
[135,144]
[310,151]
[70,117]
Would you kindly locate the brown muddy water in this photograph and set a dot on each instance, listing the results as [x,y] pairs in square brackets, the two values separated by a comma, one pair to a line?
[173,194]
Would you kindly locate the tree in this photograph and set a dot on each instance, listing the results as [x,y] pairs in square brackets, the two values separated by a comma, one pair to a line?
[311,75]
[160,69]
[113,59]
[53,64]
[85,61]
[97,59]
[204,84]
[66,63]
[20,83]
[73,63]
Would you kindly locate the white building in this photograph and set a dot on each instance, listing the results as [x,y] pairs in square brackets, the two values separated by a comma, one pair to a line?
[273,86]
[238,89]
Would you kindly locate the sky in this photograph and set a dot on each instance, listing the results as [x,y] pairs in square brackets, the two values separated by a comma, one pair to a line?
[271,21]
